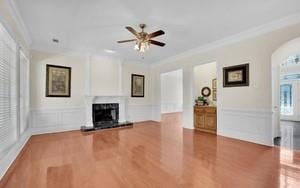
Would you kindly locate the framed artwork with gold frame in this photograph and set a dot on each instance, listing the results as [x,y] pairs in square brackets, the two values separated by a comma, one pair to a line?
[58,81]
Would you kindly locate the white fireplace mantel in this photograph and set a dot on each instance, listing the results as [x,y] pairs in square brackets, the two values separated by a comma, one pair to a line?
[91,99]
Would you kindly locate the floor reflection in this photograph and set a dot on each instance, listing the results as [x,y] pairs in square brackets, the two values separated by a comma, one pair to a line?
[60,176]
[105,144]
[290,135]
[289,168]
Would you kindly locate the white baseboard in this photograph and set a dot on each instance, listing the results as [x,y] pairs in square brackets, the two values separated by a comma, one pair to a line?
[12,154]
[253,125]
[46,130]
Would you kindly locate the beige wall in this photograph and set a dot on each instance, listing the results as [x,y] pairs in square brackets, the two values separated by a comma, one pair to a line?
[106,77]
[38,80]
[203,76]
[136,68]
[243,112]
[255,51]
[171,91]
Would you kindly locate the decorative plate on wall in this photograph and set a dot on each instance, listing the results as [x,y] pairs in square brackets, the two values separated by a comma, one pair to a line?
[206,92]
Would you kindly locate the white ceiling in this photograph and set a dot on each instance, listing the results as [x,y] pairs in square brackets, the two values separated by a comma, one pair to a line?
[95,25]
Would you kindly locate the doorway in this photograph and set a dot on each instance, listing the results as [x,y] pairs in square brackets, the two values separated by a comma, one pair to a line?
[205,96]
[286,95]
[171,88]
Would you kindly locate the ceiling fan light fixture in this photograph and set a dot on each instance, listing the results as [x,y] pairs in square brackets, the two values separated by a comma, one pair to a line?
[143,39]
[136,47]
[141,46]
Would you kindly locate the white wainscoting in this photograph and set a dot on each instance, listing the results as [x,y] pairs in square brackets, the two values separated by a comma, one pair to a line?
[65,119]
[253,125]
[13,152]
[57,120]
[169,107]
[138,113]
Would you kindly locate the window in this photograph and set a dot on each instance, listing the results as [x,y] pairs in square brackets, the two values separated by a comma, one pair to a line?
[286,99]
[8,91]
[292,60]
[24,92]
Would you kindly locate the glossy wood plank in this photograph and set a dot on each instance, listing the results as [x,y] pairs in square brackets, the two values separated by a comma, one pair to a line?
[151,155]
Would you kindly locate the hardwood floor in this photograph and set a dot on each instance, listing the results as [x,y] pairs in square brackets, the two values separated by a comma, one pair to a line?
[290,135]
[151,155]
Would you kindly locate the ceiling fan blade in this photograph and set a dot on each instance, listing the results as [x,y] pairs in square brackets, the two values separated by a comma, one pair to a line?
[122,41]
[157,43]
[156,33]
[133,31]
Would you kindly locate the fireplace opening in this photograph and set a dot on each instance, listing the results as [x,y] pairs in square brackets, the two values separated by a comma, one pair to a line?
[105,115]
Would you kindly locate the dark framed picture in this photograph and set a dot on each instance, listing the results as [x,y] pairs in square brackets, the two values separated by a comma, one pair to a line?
[137,85]
[236,76]
[58,81]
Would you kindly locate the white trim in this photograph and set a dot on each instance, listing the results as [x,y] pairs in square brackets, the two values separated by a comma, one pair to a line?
[55,49]
[20,22]
[139,112]
[266,28]
[13,153]
[252,125]
[262,112]
[58,50]
[57,119]
[47,130]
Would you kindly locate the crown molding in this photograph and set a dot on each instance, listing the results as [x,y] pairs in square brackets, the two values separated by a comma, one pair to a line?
[19,22]
[260,30]
[72,53]
[57,50]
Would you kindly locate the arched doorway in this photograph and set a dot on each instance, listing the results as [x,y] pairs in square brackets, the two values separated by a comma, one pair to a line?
[283,99]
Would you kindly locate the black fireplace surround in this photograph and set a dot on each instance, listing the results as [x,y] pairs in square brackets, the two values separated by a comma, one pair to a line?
[105,115]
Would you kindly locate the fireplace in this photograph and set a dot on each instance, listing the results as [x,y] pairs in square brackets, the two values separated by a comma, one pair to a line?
[105,115]
[105,112]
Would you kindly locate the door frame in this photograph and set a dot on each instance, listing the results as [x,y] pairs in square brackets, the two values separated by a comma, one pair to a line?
[280,55]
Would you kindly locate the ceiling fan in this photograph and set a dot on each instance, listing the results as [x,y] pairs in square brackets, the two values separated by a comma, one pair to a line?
[143,39]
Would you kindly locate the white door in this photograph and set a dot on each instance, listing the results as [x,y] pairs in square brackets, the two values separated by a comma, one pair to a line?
[276,101]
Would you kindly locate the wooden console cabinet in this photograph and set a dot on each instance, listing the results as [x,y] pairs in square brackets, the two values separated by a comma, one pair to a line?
[205,118]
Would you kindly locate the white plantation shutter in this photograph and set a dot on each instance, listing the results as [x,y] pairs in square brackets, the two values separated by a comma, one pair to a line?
[8,91]
[24,92]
